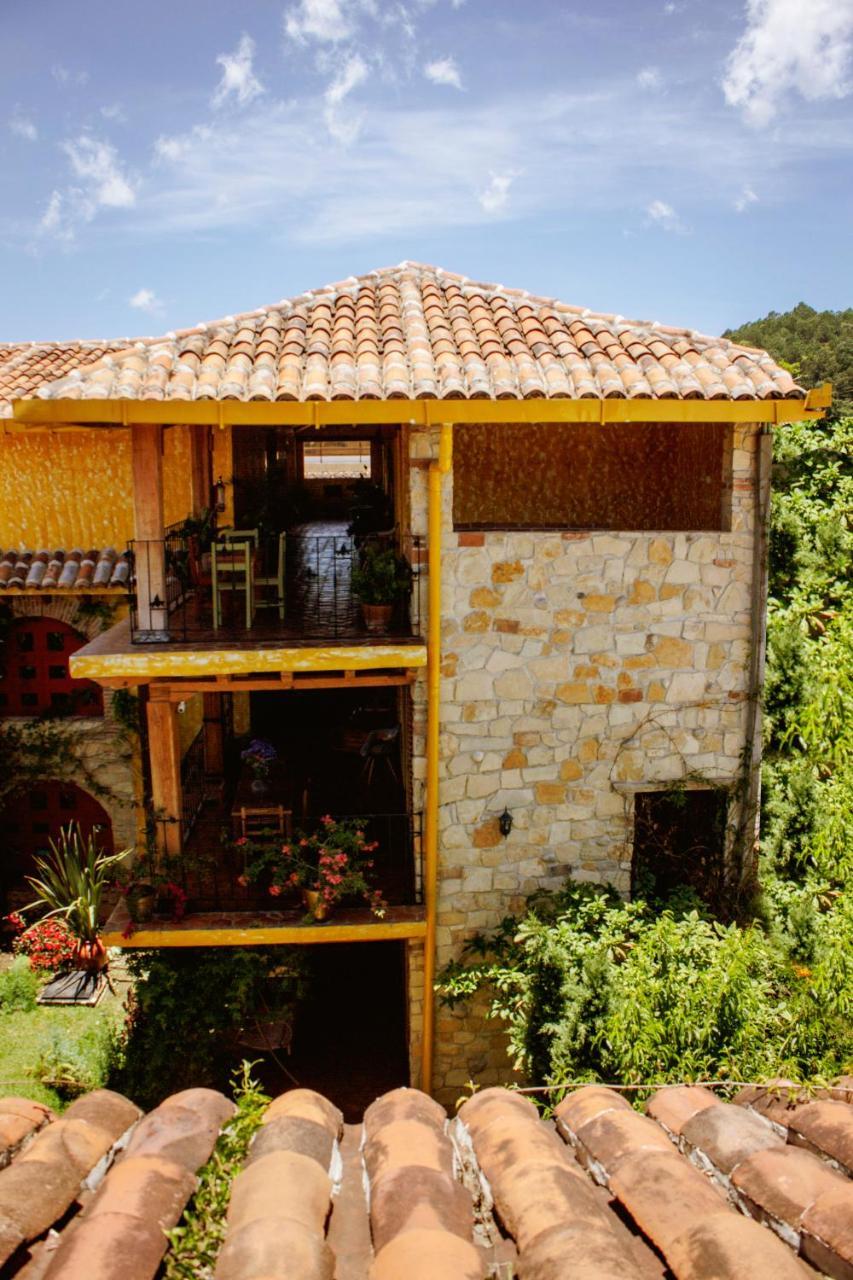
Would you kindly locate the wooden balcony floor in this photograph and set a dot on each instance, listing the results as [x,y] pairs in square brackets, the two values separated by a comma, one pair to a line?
[263,928]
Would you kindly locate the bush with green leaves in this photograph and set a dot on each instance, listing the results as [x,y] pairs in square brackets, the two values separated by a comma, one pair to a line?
[19,986]
[590,987]
[186,1007]
[72,1063]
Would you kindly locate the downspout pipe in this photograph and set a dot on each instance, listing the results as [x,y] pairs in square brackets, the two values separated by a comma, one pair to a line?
[438,468]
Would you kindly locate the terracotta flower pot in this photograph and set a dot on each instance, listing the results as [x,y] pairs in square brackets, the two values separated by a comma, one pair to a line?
[315,904]
[140,903]
[377,617]
[91,956]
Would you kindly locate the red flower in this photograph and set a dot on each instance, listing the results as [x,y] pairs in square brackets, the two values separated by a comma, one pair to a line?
[275,890]
[241,840]
[243,881]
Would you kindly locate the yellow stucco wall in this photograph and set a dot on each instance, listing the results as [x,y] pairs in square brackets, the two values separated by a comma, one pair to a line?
[73,488]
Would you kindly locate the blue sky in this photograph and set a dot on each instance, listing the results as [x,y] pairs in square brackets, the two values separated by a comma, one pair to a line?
[676,160]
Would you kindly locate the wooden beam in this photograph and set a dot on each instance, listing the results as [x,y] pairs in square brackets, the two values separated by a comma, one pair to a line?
[150,550]
[230,934]
[181,688]
[423,413]
[164,751]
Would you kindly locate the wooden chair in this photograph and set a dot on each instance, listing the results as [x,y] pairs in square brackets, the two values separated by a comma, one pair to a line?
[275,580]
[232,555]
[270,821]
[380,744]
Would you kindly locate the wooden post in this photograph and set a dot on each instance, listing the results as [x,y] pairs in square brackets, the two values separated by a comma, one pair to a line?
[201,479]
[164,751]
[150,562]
[214,736]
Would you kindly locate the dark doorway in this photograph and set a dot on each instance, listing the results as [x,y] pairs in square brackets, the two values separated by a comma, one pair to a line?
[679,841]
[349,1033]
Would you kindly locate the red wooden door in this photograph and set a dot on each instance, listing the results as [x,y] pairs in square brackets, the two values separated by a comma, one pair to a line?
[32,818]
[34,675]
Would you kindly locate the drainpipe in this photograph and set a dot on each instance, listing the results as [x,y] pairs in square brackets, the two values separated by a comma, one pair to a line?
[438,467]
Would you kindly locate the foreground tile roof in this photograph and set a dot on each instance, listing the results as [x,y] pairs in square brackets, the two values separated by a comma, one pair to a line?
[695,1189]
[417,332]
[26,366]
[58,570]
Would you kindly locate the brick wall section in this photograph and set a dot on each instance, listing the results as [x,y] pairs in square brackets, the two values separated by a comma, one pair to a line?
[577,668]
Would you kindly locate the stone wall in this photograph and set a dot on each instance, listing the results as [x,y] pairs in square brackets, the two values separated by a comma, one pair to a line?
[577,668]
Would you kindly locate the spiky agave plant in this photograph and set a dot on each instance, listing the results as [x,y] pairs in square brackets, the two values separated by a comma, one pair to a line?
[71,881]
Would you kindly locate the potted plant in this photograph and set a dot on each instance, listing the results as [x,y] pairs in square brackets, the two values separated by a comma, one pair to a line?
[70,884]
[380,579]
[260,756]
[325,866]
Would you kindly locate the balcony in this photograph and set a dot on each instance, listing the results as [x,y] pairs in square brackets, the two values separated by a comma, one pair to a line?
[293,588]
[336,753]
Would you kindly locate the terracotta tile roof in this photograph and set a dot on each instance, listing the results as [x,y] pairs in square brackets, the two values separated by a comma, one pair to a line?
[695,1189]
[26,366]
[59,570]
[417,332]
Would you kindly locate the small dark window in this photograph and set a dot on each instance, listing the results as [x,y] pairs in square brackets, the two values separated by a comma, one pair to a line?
[60,702]
[56,641]
[29,699]
[38,800]
[67,800]
[41,828]
[27,673]
[3,700]
[680,842]
[57,673]
[25,641]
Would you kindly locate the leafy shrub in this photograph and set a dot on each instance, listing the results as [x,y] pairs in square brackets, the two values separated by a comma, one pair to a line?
[18,987]
[72,1064]
[186,1008]
[590,987]
[48,944]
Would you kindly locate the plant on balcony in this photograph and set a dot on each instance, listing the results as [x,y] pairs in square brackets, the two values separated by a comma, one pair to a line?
[260,756]
[380,579]
[325,866]
[70,884]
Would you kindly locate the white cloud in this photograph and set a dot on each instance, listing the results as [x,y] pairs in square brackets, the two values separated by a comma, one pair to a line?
[23,127]
[146,300]
[443,71]
[327,21]
[238,79]
[352,74]
[114,111]
[664,216]
[99,183]
[494,197]
[745,199]
[65,77]
[649,78]
[97,164]
[789,46]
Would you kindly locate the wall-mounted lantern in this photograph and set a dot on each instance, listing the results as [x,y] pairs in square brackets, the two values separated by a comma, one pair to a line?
[219,495]
[505,823]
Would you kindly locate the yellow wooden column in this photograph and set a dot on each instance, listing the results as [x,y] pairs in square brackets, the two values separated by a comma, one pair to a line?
[439,467]
[150,550]
[164,750]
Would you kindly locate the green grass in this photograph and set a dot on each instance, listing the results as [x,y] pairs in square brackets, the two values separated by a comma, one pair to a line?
[76,1038]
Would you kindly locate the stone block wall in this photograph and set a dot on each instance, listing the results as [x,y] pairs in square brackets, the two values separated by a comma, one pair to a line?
[577,668]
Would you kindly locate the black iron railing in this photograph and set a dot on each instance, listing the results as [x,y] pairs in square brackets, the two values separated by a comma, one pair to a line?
[293,586]
[210,865]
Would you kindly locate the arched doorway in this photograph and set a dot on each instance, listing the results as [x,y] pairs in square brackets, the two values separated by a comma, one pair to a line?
[32,818]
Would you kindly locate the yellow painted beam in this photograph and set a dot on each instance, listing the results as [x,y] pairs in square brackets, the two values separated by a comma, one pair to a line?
[438,468]
[149,662]
[267,935]
[424,413]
